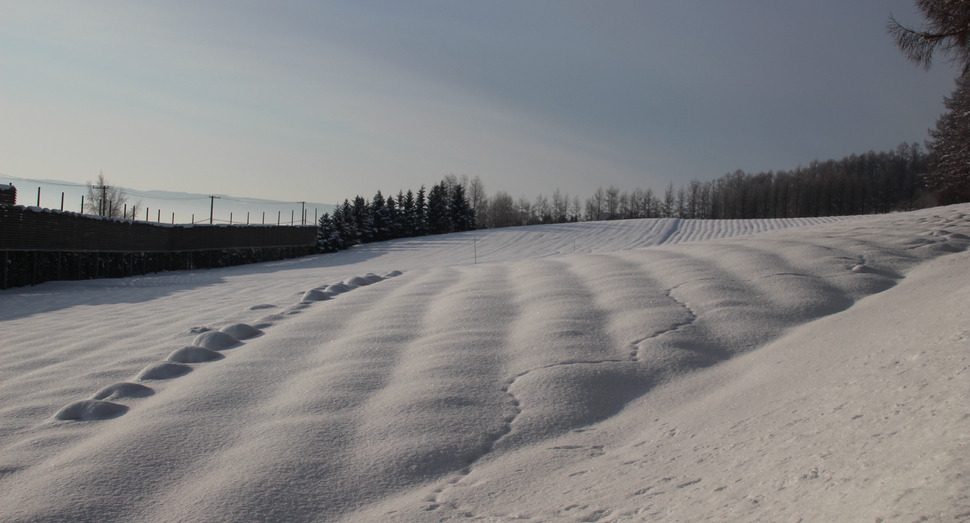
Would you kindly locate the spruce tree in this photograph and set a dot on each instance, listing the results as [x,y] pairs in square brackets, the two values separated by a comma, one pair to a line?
[420,214]
[344,221]
[393,219]
[409,218]
[379,214]
[363,220]
[328,238]
[461,213]
[439,219]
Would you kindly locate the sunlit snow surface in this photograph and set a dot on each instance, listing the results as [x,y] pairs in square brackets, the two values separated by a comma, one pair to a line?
[668,370]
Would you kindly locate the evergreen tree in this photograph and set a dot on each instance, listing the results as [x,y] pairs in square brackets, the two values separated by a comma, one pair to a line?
[439,219]
[421,214]
[343,218]
[462,215]
[328,238]
[409,217]
[379,215]
[394,225]
[363,220]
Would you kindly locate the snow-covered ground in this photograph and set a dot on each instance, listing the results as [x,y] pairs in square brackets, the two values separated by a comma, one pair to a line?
[668,370]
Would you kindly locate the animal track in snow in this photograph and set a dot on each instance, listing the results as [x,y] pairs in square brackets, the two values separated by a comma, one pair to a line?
[205,348]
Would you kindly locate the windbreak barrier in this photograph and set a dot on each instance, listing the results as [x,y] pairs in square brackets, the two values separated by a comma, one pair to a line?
[36,243]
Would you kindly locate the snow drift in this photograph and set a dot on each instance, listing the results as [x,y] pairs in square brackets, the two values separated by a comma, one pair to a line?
[626,371]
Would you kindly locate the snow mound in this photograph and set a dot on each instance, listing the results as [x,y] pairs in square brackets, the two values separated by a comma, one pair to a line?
[90,410]
[393,274]
[215,340]
[193,354]
[315,295]
[124,389]
[241,331]
[373,278]
[163,370]
[338,288]
[358,281]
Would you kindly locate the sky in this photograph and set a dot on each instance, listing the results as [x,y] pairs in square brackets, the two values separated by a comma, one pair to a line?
[324,100]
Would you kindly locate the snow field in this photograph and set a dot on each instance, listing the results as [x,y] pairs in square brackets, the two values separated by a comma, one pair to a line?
[682,380]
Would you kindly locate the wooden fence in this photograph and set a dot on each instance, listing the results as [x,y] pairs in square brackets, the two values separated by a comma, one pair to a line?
[39,245]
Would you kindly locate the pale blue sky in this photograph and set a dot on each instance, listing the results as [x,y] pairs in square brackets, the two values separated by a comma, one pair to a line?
[322,100]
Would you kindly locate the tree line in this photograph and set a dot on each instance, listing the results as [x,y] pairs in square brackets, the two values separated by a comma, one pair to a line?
[874,182]
[857,184]
[443,209]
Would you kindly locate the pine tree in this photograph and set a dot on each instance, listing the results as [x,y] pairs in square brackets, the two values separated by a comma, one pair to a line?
[394,225]
[346,227]
[420,214]
[379,215]
[461,213]
[409,217]
[328,238]
[439,219]
[363,220]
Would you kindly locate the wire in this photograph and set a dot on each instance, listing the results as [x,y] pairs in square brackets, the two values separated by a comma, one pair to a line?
[140,194]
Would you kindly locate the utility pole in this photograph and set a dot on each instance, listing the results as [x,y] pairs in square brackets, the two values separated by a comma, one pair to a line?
[302,210]
[101,206]
[212,206]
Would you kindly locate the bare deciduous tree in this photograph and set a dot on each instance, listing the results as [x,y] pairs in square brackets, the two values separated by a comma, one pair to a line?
[107,200]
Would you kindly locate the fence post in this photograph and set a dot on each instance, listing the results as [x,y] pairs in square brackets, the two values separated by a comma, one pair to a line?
[6,264]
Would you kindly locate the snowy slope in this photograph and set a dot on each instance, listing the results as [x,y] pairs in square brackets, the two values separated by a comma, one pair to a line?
[620,371]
